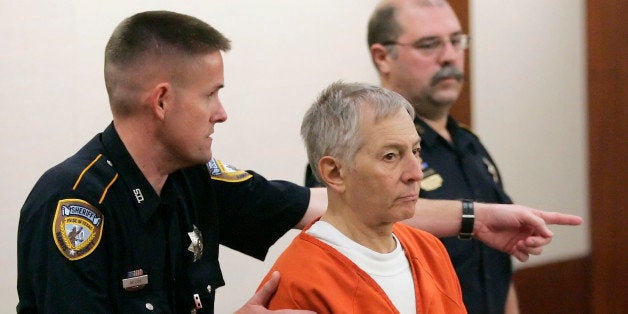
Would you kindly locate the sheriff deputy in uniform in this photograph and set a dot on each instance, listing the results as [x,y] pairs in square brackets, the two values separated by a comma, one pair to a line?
[132,221]
[418,49]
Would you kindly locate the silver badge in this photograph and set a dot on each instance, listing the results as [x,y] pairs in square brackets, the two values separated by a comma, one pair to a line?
[491,169]
[196,245]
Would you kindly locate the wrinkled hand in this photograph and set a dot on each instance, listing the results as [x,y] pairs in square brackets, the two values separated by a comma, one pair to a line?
[516,229]
[259,301]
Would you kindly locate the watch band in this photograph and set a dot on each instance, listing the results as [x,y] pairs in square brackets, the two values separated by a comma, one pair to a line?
[468,219]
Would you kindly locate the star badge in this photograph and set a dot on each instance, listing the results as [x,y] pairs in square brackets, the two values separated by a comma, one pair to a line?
[491,169]
[196,245]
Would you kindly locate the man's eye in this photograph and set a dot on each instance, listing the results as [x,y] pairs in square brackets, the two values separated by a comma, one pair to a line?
[429,45]
[389,156]
[455,41]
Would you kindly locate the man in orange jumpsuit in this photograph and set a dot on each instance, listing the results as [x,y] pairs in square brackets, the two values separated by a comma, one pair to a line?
[362,143]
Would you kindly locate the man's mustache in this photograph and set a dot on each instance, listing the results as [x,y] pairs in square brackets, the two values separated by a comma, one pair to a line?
[447,71]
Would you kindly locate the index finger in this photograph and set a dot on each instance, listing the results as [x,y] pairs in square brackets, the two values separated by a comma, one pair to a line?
[266,292]
[555,218]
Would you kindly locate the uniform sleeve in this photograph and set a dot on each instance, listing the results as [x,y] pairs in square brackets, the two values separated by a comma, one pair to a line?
[256,212]
[49,282]
[310,178]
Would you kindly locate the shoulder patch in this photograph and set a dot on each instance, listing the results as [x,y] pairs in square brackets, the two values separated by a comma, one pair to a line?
[77,228]
[224,172]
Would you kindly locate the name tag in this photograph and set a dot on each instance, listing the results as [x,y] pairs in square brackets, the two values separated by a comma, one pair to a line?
[135,283]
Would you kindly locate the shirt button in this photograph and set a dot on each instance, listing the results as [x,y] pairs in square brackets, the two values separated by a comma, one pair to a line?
[209,288]
[149,306]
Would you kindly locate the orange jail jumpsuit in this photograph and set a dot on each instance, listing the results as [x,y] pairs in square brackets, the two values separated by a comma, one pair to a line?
[315,276]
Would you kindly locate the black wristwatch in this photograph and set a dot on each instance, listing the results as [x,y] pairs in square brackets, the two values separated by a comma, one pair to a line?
[468,219]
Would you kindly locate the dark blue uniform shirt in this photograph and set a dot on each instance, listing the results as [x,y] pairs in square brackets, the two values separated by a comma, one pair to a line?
[461,170]
[94,220]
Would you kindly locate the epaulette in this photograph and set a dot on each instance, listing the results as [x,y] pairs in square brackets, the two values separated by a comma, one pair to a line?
[468,129]
[96,178]
[78,222]
[223,172]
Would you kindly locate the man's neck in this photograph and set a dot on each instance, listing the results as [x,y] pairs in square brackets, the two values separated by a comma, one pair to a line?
[378,239]
[438,123]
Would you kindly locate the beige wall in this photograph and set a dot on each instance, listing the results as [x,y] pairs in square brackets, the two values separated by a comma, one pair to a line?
[529,98]
[529,107]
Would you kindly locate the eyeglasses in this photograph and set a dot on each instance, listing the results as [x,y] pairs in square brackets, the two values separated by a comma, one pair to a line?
[430,46]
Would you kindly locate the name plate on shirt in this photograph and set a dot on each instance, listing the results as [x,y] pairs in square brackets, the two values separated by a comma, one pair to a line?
[135,283]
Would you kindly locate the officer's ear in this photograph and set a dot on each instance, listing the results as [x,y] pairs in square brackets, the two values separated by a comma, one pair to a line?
[159,98]
[331,172]
[381,58]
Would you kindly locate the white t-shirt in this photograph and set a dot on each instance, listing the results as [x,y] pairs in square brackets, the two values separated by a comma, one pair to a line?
[390,270]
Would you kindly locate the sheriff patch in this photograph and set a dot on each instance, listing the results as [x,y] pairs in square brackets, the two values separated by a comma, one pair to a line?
[223,172]
[77,228]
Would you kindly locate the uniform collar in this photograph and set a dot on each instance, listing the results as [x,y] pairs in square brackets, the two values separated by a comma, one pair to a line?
[427,134]
[142,193]
[429,137]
